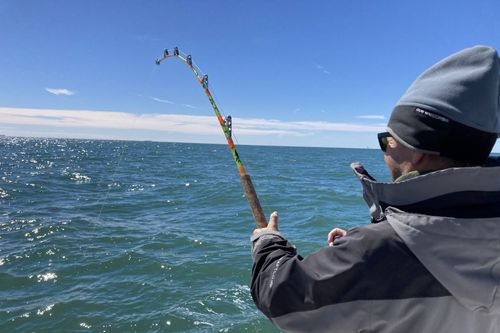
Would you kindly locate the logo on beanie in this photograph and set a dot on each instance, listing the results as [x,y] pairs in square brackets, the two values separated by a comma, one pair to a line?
[432,115]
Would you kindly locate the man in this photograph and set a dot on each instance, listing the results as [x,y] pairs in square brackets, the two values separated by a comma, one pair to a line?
[430,261]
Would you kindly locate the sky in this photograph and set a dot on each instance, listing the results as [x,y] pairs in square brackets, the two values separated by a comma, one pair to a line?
[298,73]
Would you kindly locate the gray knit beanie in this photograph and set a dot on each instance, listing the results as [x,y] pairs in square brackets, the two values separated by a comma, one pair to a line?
[453,108]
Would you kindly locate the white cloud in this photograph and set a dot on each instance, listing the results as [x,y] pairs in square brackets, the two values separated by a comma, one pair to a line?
[104,119]
[65,92]
[301,127]
[161,100]
[371,117]
[176,124]
[189,106]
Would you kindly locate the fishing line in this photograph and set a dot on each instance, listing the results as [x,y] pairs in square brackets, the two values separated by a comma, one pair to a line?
[124,150]
[185,55]
[121,156]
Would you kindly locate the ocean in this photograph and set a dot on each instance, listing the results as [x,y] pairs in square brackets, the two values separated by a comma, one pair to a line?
[123,236]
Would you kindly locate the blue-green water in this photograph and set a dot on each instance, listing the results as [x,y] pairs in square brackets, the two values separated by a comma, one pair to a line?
[114,236]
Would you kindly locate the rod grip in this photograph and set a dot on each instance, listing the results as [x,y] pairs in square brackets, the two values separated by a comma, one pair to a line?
[253,201]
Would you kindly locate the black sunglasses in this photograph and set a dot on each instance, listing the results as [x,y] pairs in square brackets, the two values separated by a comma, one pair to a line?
[382,140]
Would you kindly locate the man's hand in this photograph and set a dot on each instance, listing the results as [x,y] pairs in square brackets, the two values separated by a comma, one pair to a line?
[337,232]
[271,226]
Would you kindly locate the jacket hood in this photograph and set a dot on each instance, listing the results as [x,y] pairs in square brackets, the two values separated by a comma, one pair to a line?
[450,220]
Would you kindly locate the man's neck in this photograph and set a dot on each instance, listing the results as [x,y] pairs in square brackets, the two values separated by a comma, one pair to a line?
[408,175]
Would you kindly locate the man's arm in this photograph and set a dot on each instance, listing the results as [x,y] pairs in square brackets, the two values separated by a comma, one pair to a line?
[368,263]
[284,282]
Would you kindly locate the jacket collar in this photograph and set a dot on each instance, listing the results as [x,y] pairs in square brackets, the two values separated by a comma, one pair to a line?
[445,192]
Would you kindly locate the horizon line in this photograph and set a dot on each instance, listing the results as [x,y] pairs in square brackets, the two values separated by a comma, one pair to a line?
[182,142]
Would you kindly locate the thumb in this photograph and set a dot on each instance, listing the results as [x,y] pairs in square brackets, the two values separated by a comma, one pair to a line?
[273,221]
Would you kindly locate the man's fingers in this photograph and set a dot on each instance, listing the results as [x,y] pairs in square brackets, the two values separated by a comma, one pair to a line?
[272,225]
[337,232]
[273,221]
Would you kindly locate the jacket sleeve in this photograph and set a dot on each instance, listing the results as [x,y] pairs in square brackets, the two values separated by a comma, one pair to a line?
[284,282]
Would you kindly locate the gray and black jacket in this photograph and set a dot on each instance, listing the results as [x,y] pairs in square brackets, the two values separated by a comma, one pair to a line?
[431,263]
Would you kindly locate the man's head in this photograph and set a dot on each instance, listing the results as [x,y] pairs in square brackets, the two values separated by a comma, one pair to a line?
[450,115]
[401,159]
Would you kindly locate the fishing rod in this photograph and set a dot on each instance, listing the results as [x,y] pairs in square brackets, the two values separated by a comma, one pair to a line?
[226,125]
